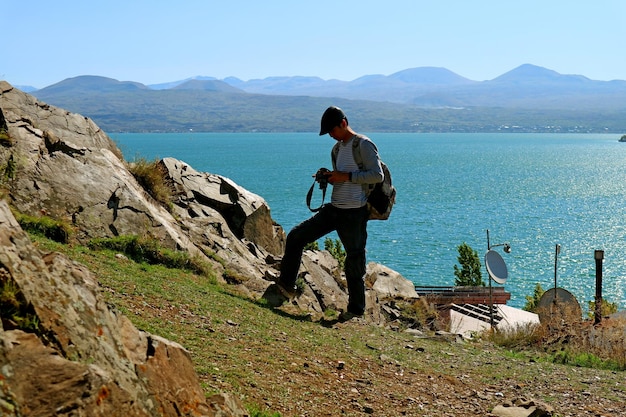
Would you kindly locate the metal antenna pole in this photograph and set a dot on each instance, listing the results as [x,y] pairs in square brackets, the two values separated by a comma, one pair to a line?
[490,288]
[557,250]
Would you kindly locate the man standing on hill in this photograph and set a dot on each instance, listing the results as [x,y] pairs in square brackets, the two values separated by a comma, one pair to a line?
[346,213]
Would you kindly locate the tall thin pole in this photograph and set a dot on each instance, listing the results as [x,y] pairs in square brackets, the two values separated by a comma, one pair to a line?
[490,288]
[557,250]
[598,255]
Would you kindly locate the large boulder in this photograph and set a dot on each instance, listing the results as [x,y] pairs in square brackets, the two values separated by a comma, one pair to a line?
[389,284]
[80,356]
[226,220]
[246,214]
[62,165]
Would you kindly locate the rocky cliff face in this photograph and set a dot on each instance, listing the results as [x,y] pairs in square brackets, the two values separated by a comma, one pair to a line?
[82,357]
[65,167]
[85,356]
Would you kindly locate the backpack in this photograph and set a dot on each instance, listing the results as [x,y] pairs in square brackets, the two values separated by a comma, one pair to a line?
[381,196]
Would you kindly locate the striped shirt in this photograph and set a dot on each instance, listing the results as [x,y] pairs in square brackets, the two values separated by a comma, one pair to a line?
[347,194]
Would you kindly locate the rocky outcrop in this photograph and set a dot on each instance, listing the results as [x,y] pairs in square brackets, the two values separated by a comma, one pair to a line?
[224,219]
[81,357]
[67,168]
[60,164]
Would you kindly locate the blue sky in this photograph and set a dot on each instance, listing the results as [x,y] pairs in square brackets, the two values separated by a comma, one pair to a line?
[154,41]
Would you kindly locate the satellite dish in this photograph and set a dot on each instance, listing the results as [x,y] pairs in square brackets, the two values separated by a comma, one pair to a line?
[557,303]
[496,267]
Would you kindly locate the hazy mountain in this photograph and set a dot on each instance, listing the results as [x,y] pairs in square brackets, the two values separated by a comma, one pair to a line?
[418,99]
[527,86]
[172,84]
[91,83]
[207,85]
[527,73]
[430,76]
[26,88]
[398,87]
[292,86]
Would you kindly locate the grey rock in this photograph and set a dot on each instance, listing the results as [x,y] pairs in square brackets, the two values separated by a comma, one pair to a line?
[521,407]
[388,283]
[83,355]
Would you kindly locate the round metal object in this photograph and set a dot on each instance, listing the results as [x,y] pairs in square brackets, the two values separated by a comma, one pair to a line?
[496,267]
[558,306]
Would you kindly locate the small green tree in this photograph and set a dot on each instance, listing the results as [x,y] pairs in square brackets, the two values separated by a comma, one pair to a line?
[312,246]
[336,250]
[333,246]
[468,275]
[532,301]
[607,308]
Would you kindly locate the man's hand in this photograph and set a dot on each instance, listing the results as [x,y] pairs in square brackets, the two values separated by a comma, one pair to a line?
[338,176]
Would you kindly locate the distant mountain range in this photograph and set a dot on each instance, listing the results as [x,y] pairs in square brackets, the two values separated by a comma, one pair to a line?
[527,98]
[527,86]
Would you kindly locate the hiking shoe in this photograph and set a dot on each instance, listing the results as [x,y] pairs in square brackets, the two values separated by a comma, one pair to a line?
[347,316]
[289,291]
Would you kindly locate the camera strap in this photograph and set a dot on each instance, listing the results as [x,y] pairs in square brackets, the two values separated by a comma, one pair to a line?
[310,194]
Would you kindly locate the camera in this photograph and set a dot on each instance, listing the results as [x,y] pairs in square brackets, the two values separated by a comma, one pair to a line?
[321,176]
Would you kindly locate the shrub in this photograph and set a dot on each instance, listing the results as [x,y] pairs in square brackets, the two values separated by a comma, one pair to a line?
[5,139]
[151,177]
[606,309]
[336,250]
[333,246]
[14,310]
[150,251]
[532,302]
[44,226]
[421,313]
[312,246]
[10,169]
[469,273]
[523,335]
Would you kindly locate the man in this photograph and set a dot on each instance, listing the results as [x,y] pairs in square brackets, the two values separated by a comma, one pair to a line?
[346,213]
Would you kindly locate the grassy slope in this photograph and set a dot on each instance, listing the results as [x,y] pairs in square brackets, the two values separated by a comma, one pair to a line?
[278,362]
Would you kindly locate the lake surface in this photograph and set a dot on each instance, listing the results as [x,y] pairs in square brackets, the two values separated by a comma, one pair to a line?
[532,191]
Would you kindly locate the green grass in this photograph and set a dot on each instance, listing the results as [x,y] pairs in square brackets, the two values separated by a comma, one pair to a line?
[151,176]
[585,359]
[14,310]
[45,226]
[279,362]
[150,251]
[5,139]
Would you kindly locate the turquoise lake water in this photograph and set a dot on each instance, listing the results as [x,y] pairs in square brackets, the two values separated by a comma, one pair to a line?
[532,191]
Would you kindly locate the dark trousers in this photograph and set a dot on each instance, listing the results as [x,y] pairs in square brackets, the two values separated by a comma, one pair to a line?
[351,227]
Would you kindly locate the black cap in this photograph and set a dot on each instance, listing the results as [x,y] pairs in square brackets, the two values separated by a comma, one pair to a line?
[332,117]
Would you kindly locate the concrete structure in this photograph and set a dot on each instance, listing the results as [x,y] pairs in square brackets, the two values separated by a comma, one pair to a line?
[470,319]
[464,295]
[466,309]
